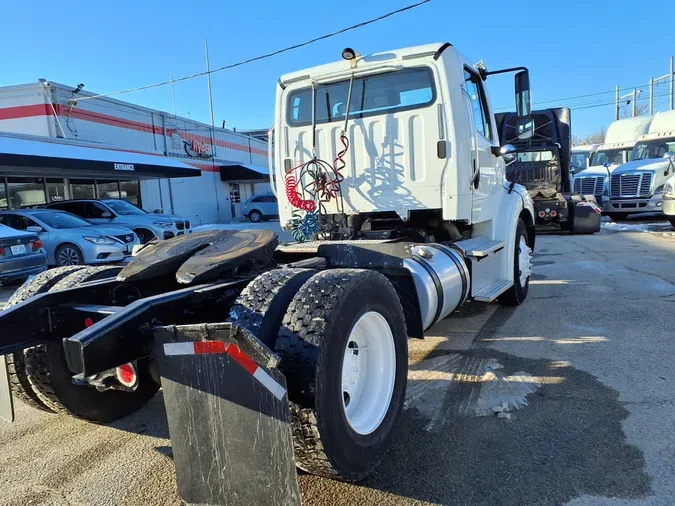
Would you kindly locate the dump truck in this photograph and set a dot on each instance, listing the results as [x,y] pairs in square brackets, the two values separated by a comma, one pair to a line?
[391,176]
[542,165]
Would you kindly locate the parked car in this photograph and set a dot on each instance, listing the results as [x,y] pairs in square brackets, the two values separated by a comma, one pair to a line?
[21,255]
[70,240]
[120,212]
[261,208]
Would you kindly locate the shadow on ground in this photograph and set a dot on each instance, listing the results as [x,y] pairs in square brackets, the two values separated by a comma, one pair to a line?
[568,442]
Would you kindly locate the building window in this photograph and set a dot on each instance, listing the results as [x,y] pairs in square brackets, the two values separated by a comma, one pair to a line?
[82,188]
[56,189]
[131,192]
[26,192]
[108,189]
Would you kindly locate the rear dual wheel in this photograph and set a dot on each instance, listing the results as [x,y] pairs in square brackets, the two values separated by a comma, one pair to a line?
[42,378]
[343,349]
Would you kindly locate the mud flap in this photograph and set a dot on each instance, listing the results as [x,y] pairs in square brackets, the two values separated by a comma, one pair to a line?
[228,414]
[6,404]
[585,217]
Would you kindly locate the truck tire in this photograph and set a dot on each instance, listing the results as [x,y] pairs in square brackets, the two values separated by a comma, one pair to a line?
[261,306]
[344,414]
[18,379]
[515,295]
[51,380]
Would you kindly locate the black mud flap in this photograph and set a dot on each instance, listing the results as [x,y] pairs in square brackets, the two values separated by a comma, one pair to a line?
[6,404]
[228,414]
[585,217]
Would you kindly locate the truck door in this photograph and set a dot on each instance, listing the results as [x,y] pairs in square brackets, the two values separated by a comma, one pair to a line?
[484,162]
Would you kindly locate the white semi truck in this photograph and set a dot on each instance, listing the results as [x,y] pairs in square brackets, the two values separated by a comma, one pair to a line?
[619,142]
[390,173]
[638,185]
[669,200]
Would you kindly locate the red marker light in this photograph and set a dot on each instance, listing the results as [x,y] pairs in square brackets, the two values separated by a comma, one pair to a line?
[554,214]
[542,214]
[88,322]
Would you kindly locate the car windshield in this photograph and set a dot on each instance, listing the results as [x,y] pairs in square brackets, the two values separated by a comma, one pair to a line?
[61,220]
[607,155]
[124,208]
[653,149]
[580,160]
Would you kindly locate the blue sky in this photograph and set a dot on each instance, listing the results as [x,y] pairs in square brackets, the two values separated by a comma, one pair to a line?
[571,47]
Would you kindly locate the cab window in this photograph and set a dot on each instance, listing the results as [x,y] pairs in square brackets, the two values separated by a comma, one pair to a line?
[481,116]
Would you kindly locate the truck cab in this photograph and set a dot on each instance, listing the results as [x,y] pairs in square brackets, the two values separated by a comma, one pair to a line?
[638,185]
[413,137]
[615,151]
[582,156]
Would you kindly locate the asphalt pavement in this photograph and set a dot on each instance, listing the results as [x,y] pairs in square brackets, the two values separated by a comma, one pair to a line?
[567,399]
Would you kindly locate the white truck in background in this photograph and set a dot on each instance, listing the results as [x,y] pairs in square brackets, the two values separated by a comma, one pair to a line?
[581,157]
[619,141]
[638,185]
[669,200]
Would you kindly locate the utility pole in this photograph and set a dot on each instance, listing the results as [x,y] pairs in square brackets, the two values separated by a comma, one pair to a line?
[634,102]
[208,76]
[173,93]
[672,83]
[617,103]
[651,95]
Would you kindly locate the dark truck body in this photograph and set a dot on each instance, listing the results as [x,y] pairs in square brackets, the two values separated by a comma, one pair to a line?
[543,168]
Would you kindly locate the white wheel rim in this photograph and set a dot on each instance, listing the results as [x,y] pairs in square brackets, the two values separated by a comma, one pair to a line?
[69,256]
[368,373]
[524,261]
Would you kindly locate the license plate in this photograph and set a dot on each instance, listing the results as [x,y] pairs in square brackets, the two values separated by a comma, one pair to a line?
[19,249]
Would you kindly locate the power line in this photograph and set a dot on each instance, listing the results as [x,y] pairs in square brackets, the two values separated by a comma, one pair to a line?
[264,56]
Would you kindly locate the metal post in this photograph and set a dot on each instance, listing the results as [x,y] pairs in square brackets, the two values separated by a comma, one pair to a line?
[617,103]
[672,83]
[208,76]
[651,95]
[634,102]
[173,93]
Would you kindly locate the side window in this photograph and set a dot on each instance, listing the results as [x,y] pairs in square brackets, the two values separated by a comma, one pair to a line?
[256,199]
[94,210]
[474,87]
[268,198]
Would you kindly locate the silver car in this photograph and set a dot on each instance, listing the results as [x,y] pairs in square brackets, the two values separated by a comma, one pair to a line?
[70,240]
[261,208]
[21,255]
[120,212]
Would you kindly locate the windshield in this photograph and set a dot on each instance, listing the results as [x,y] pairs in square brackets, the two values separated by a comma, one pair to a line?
[653,149]
[124,208]
[536,156]
[390,92]
[612,156]
[580,160]
[62,220]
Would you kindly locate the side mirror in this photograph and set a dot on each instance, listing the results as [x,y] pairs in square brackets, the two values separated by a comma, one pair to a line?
[158,211]
[35,229]
[106,214]
[525,128]
[507,152]
[523,102]
[670,156]
[607,165]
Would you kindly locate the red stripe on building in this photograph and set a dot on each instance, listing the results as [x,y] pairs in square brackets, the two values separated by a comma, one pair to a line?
[27,111]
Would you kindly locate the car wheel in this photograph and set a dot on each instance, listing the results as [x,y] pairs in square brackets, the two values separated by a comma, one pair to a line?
[145,236]
[69,254]
[255,216]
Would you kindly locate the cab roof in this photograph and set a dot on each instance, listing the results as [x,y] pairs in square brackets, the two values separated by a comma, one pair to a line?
[392,57]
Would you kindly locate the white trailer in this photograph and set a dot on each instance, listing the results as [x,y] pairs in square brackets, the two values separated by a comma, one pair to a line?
[390,172]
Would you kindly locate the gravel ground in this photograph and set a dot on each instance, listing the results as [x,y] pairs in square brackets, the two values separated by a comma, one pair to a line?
[593,337]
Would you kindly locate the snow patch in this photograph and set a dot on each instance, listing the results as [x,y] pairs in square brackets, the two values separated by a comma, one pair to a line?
[636,227]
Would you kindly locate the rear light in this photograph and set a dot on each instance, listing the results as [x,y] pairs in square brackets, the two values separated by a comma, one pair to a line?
[127,375]
[2,251]
[553,214]
[37,244]
[542,214]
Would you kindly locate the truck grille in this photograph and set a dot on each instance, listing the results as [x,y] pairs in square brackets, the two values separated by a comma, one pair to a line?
[631,185]
[589,185]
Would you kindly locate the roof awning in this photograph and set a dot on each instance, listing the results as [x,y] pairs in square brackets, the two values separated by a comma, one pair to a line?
[243,172]
[47,154]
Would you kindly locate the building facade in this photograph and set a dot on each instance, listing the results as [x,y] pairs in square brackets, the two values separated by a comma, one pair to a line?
[233,166]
